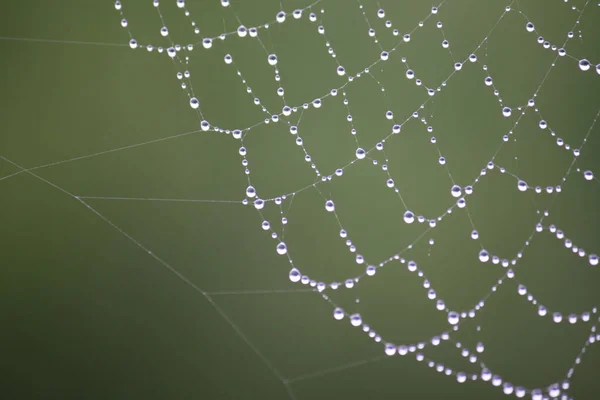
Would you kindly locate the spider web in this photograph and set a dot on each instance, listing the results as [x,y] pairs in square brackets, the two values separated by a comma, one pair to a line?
[373,148]
[181,56]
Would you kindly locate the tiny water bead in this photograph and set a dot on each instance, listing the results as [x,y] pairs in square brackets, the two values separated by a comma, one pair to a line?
[588,175]
[329,206]
[484,256]
[360,153]
[194,103]
[409,217]
[272,59]
[228,59]
[133,44]
[456,191]
[530,27]
[295,276]
[453,318]
[338,313]
[341,71]
[118,5]
[180,3]
[281,248]
[280,16]
[355,320]
[207,43]
[506,112]
[522,186]
[584,65]
[164,31]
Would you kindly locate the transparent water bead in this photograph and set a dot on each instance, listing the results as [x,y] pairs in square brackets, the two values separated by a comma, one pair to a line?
[118,5]
[453,318]
[355,320]
[456,191]
[133,44]
[338,313]
[272,59]
[390,349]
[360,153]
[281,248]
[506,112]
[409,217]
[259,204]
[588,175]
[584,65]
[522,186]
[295,276]
[329,206]
[484,256]
[194,103]
[530,27]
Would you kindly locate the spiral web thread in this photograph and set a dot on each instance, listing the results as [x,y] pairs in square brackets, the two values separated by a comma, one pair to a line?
[180,55]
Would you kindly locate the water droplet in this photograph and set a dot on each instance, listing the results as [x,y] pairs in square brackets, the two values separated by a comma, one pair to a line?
[295,276]
[453,318]
[281,248]
[329,206]
[584,65]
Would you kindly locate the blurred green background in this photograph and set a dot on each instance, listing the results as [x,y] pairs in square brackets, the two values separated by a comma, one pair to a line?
[86,312]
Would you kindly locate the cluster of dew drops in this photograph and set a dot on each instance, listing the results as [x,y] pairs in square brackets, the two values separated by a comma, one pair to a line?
[408,217]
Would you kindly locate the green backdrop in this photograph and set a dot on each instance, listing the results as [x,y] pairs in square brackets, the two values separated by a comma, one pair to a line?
[102,296]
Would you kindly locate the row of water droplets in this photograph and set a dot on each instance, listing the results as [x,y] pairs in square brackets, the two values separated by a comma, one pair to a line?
[409,217]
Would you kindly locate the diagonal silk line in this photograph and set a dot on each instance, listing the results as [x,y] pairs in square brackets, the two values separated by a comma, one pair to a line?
[131,146]
[161,199]
[58,41]
[178,274]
